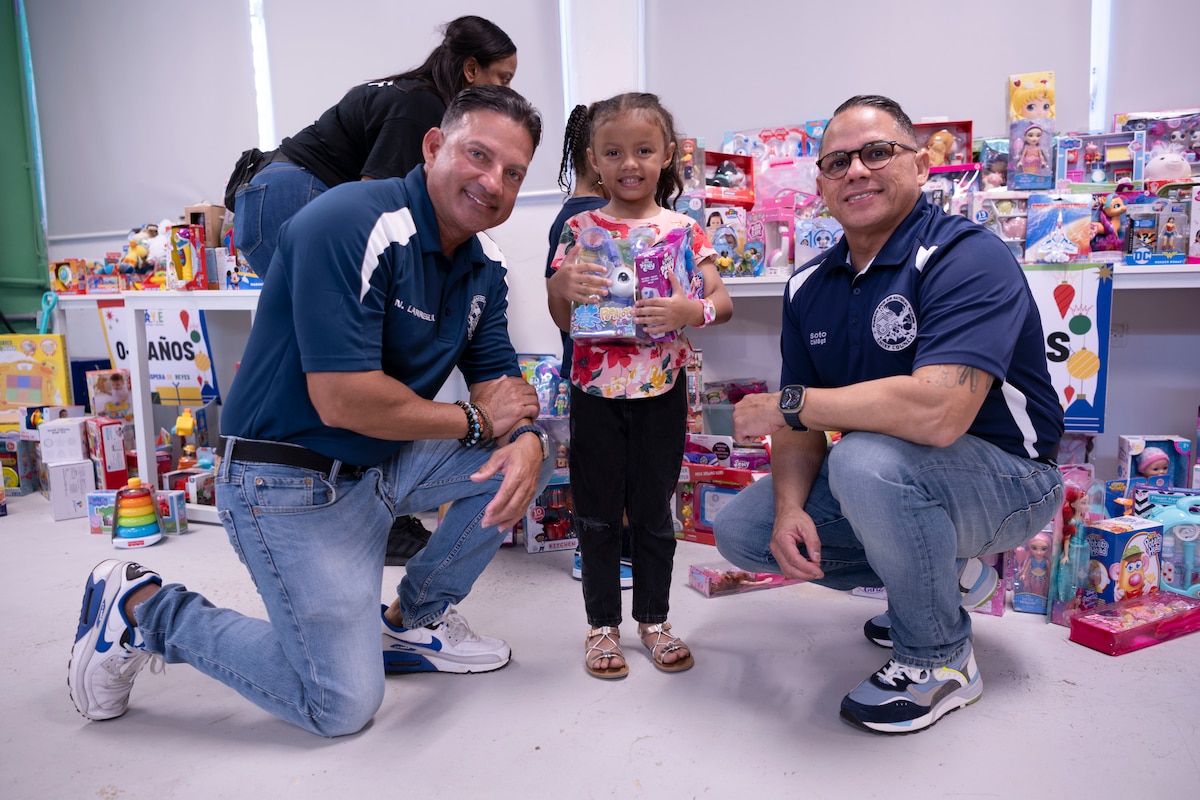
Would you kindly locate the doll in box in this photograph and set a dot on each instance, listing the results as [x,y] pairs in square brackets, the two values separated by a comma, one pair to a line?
[1031,158]
[1152,462]
[941,146]
[1108,223]
[1031,584]
[1031,99]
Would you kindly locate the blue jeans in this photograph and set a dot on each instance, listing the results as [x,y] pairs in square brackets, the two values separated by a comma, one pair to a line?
[258,217]
[905,516]
[314,545]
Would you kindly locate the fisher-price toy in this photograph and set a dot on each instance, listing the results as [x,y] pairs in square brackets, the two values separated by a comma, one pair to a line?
[136,523]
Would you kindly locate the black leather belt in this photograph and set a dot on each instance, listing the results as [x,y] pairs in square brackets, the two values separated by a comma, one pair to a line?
[290,455]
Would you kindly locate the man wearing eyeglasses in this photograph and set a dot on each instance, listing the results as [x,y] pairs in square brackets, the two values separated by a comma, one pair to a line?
[917,337]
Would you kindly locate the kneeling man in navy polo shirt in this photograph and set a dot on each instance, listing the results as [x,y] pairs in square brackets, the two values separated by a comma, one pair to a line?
[379,289]
[917,337]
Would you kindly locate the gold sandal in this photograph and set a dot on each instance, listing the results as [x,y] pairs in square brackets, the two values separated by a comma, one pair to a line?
[666,642]
[612,635]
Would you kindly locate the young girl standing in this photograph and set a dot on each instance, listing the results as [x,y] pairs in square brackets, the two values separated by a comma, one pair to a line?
[629,401]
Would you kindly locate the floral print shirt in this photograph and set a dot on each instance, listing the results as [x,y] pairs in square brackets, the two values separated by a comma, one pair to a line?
[633,370]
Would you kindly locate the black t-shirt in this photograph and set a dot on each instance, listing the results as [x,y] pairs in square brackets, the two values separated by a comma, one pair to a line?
[374,131]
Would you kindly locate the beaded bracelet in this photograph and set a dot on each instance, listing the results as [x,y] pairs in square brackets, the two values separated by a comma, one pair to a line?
[474,428]
[488,435]
[710,312]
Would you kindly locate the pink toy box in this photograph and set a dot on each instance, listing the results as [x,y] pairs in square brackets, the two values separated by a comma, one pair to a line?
[1136,623]
[728,179]
[721,578]
[653,267]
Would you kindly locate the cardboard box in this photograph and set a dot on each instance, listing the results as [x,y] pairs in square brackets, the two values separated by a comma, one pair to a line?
[109,394]
[64,440]
[548,522]
[701,494]
[66,486]
[201,489]
[172,511]
[1132,449]
[106,443]
[721,578]
[209,218]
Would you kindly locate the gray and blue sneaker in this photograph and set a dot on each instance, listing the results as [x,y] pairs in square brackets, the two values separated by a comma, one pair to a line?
[447,645]
[109,651]
[977,582]
[900,699]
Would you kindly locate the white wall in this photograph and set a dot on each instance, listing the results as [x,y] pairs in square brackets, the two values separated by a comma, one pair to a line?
[770,62]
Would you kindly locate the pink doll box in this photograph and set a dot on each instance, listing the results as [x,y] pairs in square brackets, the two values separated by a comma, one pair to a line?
[1136,623]
[721,578]
[653,267]
[1133,460]
[947,143]
[1125,559]
[708,449]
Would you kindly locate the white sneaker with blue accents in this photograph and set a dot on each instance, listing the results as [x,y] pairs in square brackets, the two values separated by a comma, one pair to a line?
[448,645]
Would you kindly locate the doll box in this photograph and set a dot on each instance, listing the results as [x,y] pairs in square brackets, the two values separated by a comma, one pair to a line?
[1125,559]
[548,522]
[948,143]
[721,578]
[1132,453]
[1136,623]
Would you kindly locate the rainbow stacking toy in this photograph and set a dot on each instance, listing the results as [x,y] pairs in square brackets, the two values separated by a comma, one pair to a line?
[136,524]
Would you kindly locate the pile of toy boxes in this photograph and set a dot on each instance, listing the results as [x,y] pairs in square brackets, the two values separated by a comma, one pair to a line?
[195,252]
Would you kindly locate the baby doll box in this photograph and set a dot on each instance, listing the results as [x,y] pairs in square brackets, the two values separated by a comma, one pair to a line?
[1136,623]
[1135,458]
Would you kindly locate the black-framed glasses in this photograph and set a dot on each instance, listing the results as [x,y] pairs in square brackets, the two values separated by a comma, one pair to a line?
[873,155]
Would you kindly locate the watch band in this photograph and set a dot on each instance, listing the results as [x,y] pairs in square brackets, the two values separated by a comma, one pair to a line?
[534,429]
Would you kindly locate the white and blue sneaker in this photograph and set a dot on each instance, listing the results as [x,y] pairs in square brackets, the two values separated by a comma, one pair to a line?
[626,571]
[448,645]
[977,582]
[109,651]
[900,699]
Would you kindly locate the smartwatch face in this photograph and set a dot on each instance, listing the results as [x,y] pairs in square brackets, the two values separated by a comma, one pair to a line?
[790,399]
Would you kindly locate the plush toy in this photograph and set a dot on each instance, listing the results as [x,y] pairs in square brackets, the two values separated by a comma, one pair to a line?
[1167,167]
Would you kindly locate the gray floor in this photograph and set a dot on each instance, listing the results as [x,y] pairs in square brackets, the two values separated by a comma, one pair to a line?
[757,715]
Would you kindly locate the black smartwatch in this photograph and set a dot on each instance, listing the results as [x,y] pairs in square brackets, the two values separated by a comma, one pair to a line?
[791,403]
[541,434]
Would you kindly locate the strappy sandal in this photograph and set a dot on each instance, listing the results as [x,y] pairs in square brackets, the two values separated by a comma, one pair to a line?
[611,635]
[665,642]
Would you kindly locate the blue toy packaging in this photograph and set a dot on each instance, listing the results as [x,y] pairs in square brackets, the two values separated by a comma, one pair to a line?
[609,319]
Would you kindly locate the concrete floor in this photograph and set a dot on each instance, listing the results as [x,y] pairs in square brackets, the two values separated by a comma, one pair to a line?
[758,715]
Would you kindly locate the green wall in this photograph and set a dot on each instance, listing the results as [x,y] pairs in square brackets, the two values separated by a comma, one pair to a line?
[23,268]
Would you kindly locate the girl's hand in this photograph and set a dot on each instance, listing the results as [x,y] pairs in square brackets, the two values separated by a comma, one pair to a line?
[659,315]
[578,282]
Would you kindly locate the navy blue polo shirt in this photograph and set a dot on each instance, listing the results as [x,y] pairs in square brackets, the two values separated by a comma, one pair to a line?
[943,290]
[360,283]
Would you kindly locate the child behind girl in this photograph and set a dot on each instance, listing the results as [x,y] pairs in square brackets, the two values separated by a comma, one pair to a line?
[629,401]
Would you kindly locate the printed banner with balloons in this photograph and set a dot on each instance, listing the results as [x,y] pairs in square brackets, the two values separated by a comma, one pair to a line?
[1076,305]
[181,369]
